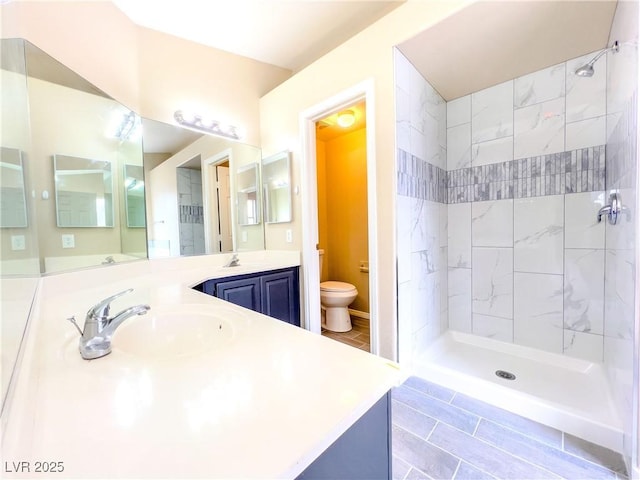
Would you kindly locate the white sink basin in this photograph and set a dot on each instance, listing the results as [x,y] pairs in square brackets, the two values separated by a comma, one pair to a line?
[180,332]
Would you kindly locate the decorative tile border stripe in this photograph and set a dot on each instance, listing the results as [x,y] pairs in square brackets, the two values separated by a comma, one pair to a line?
[575,171]
[581,170]
[420,179]
[191,214]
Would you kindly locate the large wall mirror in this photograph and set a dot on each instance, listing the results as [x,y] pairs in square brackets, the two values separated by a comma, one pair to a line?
[13,200]
[191,185]
[276,183]
[70,141]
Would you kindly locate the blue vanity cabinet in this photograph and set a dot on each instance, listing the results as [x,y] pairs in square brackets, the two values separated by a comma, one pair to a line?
[275,293]
[241,291]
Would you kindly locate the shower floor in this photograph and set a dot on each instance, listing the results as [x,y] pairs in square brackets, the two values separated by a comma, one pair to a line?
[569,394]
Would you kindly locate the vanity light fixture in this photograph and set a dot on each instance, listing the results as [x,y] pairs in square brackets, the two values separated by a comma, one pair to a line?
[213,127]
[346,118]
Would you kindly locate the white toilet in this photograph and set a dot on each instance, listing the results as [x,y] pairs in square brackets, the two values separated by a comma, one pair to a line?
[335,297]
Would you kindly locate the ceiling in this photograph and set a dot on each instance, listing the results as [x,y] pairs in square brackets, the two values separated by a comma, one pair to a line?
[490,42]
[288,33]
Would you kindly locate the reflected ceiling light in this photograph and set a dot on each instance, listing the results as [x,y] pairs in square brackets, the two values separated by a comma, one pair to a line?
[128,126]
[346,118]
[213,127]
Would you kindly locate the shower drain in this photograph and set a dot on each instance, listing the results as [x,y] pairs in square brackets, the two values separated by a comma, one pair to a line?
[506,375]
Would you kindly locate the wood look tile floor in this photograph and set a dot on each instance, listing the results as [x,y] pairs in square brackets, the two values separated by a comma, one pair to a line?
[358,336]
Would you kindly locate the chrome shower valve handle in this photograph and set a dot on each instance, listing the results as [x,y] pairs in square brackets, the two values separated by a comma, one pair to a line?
[613,210]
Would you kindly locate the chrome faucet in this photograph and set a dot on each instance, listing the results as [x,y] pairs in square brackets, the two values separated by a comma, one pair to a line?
[233,262]
[95,340]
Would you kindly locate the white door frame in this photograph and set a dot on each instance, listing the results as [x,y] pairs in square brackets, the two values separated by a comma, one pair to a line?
[209,235]
[309,198]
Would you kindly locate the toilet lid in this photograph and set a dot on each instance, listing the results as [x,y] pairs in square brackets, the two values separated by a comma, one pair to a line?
[332,286]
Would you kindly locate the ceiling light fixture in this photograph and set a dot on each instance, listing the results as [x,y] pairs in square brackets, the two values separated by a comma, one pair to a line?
[346,118]
[213,127]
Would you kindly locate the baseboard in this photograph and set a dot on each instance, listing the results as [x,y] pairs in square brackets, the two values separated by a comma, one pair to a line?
[359,314]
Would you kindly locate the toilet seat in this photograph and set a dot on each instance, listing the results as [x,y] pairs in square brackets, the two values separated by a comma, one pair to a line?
[333,286]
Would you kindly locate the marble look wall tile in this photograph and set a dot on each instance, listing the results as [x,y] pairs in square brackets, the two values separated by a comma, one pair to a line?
[538,234]
[404,323]
[538,311]
[443,211]
[492,223]
[586,96]
[584,290]
[403,120]
[426,231]
[582,229]
[619,293]
[404,227]
[459,111]
[586,133]
[459,299]
[540,86]
[582,345]
[459,146]
[405,72]
[492,151]
[539,129]
[492,281]
[493,327]
[492,112]
[425,292]
[459,235]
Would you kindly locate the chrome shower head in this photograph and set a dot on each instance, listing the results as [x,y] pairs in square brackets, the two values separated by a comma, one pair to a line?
[587,69]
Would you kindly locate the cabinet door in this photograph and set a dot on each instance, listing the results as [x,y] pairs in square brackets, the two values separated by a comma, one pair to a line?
[243,291]
[280,298]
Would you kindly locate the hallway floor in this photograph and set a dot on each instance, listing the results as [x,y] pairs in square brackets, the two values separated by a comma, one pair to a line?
[441,434]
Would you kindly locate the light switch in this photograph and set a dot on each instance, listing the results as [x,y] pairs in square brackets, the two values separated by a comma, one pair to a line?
[289,235]
[68,241]
[18,242]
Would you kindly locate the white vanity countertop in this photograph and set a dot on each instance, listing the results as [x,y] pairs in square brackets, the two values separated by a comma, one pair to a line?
[262,404]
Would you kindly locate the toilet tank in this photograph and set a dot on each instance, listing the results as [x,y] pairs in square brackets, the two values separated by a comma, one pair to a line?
[320,255]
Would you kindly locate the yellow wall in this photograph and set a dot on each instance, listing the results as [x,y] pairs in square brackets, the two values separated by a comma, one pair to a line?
[366,56]
[342,204]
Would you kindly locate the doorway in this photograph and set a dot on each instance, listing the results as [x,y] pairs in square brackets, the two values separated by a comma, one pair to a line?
[341,169]
[362,92]
[217,205]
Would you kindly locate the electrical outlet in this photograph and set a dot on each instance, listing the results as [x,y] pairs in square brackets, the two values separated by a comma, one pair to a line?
[18,242]
[289,235]
[68,240]
[244,236]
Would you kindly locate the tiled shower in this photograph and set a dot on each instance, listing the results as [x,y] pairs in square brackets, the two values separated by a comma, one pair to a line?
[497,196]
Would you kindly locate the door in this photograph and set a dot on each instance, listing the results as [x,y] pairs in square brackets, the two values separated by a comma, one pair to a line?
[224,208]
